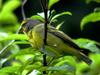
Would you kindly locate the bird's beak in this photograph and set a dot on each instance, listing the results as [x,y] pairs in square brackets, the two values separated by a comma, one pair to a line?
[22,26]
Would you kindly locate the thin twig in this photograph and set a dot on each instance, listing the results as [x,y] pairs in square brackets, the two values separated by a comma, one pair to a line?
[9,44]
[22,9]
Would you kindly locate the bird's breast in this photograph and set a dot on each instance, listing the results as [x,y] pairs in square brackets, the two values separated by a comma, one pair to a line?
[36,39]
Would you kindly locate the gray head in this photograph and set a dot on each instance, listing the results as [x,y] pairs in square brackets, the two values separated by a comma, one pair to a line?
[29,24]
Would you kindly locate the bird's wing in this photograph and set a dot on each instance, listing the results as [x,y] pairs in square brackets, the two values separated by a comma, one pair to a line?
[65,38]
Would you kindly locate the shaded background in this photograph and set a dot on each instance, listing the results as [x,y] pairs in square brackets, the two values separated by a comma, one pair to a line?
[78,8]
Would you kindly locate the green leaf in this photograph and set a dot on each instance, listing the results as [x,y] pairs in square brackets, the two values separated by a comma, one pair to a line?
[68,60]
[52,2]
[8,18]
[52,13]
[63,67]
[14,37]
[10,70]
[3,35]
[6,15]
[82,68]
[35,72]
[58,15]
[0,4]
[93,17]
[95,66]
[10,5]
[88,44]
[59,25]
[41,14]
[88,1]
[22,52]
[38,17]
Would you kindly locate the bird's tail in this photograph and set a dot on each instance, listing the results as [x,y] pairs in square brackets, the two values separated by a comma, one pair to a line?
[85,58]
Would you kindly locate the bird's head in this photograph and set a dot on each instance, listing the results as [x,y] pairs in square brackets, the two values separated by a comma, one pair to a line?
[28,24]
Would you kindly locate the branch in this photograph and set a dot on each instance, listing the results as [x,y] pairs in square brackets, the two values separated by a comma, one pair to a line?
[44,5]
[22,9]
[9,44]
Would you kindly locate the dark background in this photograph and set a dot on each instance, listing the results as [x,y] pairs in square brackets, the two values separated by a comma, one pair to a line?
[78,8]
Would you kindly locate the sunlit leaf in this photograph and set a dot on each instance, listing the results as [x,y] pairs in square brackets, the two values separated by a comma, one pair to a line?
[93,17]
[22,52]
[95,66]
[8,18]
[0,4]
[42,14]
[14,37]
[38,17]
[3,35]
[66,60]
[63,67]
[52,2]
[88,44]
[59,25]
[61,14]
[82,68]
[34,72]
[10,70]
[10,5]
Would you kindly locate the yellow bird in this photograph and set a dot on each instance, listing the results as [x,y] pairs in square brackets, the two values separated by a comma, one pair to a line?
[58,43]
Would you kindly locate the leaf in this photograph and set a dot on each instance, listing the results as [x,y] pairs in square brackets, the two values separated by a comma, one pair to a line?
[52,2]
[52,13]
[38,17]
[6,15]
[66,60]
[0,4]
[88,44]
[3,35]
[34,72]
[10,70]
[59,25]
[82,68]
[95,66]
[63,69]
[22,52]
[14,37]
[93,17]
[58,15]
[10,5]
[88,1]
[42,14]
[8,18]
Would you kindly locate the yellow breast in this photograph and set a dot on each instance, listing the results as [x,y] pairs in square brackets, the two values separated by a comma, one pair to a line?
[35,39]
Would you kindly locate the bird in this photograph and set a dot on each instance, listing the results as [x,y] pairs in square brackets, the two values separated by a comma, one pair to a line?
[58,43]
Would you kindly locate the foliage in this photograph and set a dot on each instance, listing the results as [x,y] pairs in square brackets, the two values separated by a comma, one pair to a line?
[21,59]
[88,1]
[93,17]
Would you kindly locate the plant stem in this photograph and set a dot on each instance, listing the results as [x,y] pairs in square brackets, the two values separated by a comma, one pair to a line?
[44,4]
[22,9]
